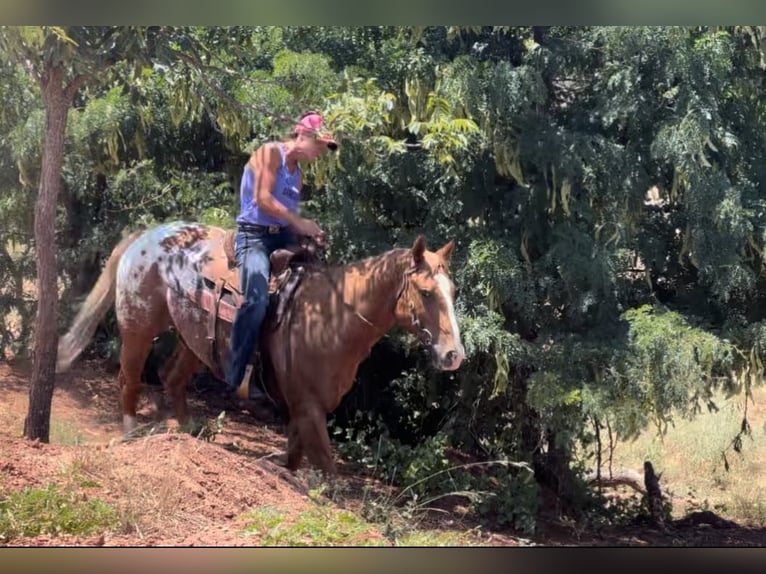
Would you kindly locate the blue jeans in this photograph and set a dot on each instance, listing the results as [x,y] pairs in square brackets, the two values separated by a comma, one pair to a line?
[252,249]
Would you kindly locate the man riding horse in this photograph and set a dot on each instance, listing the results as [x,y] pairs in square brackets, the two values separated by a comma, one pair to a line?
[270,194]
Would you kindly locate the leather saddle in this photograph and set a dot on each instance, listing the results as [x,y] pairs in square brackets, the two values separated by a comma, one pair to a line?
[307,252]
[221,293]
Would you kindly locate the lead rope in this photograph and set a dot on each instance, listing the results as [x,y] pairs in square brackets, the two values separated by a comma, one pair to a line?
[398,295]
[425,335]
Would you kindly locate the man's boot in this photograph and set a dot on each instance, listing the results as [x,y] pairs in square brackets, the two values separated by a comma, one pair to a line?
[254,399]
[243,390]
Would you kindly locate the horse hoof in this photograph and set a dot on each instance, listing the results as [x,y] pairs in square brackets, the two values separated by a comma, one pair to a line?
[129,424]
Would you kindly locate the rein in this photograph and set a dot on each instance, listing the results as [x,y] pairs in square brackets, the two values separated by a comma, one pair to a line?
[405,281]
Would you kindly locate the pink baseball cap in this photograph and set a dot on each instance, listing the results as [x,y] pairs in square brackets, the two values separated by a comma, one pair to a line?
[312,123]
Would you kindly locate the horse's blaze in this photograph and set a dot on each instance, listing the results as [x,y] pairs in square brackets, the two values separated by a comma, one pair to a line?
[456,344]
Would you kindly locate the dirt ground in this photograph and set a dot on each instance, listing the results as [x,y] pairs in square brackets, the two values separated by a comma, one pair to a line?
[178,490]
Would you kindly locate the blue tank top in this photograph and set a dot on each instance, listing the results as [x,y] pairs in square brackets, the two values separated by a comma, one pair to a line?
[285,191]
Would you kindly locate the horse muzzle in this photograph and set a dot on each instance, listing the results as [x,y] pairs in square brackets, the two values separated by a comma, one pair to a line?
[448,358]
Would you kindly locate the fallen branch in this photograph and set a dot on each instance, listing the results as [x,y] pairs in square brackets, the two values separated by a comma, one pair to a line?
[625,477]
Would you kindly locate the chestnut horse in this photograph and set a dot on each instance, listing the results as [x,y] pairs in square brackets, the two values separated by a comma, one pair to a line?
[337,313]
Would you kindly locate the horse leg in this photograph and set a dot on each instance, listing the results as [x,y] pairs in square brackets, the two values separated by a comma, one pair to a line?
[313,437]
[184,363]
[151,378]
[133,353]
[166,372]
[294,446]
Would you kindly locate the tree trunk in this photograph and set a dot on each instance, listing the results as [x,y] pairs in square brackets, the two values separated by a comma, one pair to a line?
[56,100]
[653,495]
[552,469]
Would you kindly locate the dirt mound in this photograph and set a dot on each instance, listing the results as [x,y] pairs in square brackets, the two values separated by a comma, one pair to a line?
[169,489]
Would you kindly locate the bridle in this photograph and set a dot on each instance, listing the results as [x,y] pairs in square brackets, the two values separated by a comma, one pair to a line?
[425,336]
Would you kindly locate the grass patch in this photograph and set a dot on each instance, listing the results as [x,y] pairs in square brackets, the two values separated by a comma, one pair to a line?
[318,526]
[144,501]
[749,507]
[431,538]
[324,526]
[49,511]
[65,433]
[690,457]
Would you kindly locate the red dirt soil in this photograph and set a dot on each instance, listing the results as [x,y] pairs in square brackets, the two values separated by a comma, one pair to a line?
[177,490]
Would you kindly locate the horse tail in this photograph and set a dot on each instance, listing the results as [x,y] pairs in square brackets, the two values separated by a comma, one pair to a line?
[93,310]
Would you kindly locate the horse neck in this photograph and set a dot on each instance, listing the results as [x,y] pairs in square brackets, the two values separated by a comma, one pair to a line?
[371,288]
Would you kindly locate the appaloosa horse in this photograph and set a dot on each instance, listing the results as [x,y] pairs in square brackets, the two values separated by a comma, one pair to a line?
[179,275]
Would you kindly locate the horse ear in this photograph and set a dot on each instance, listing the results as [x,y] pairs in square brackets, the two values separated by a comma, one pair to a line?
[417,250]
[446,251]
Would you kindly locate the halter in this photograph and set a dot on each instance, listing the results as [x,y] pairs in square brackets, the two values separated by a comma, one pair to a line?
[424,334]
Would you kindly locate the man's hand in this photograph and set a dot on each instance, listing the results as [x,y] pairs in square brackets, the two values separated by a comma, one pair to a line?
[309,227]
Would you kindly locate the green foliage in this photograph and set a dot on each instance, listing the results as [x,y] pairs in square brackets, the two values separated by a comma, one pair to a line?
[99,125]
[509,499]
[502,492]
[672,363]
[307,76]
[49,511]
[494,274]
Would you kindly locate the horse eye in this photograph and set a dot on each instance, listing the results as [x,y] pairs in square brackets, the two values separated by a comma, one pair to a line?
[425,293]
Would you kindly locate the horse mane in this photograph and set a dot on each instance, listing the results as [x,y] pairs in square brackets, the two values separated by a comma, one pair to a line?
[337,270]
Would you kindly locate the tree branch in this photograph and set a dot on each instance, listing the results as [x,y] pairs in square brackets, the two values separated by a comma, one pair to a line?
[196,65]
[626,477]
[71,90]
